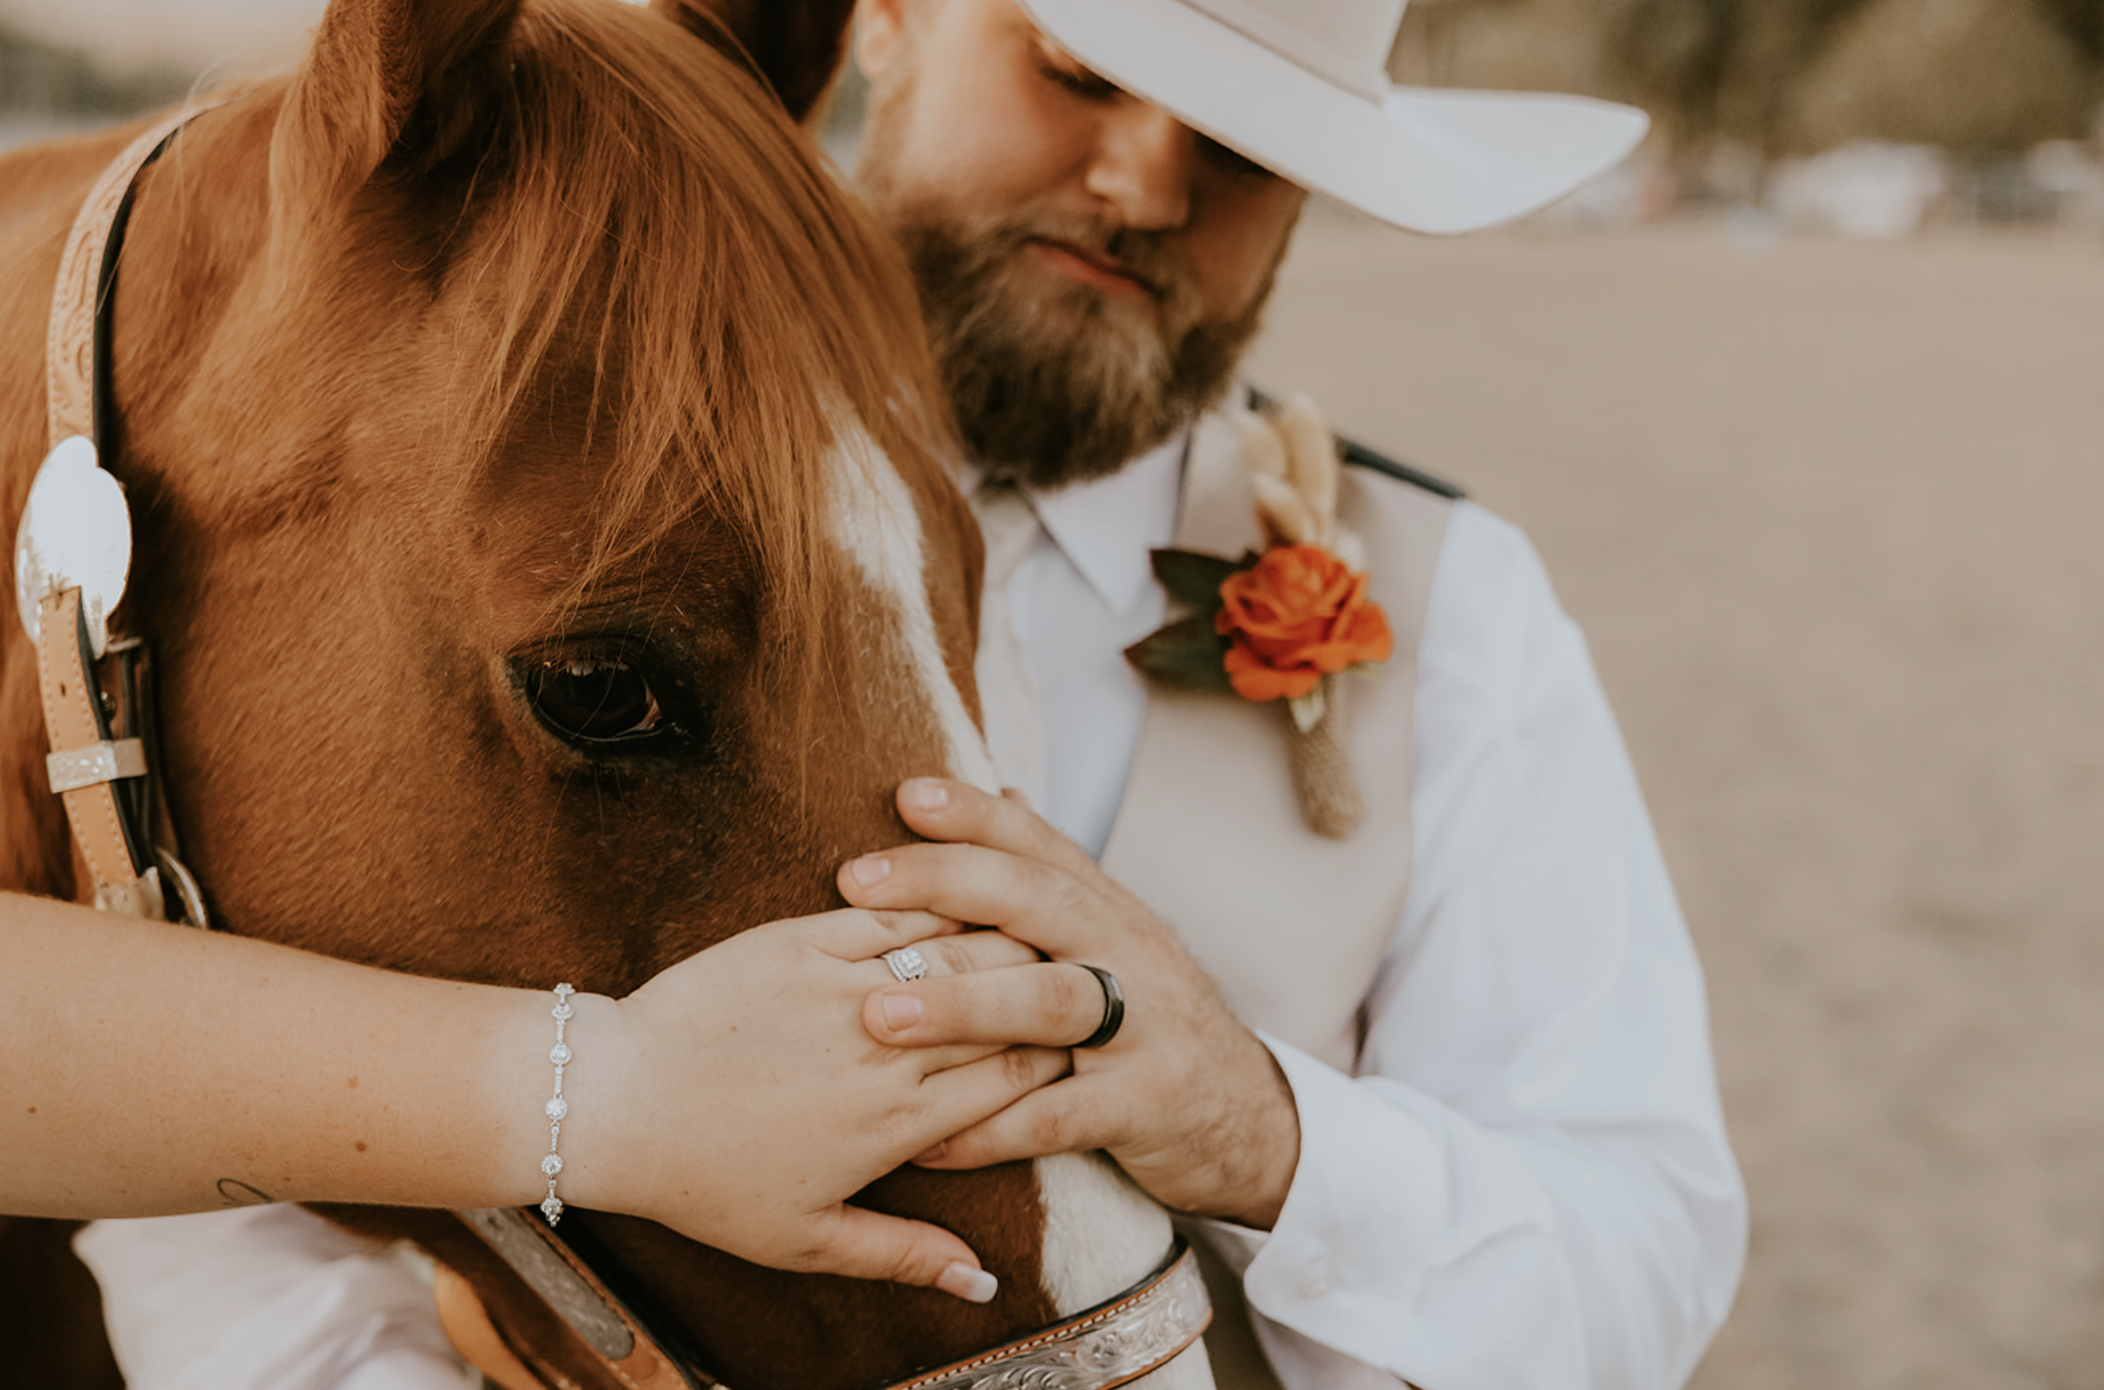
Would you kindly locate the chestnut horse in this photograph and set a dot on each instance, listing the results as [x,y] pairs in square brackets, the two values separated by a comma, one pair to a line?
[543,540]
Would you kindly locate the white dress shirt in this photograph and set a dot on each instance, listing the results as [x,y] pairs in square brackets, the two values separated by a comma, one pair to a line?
[265,1298]
[1534,1195]
[1083,593]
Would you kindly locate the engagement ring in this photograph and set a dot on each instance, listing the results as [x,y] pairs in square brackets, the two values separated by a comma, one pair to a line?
[906,963]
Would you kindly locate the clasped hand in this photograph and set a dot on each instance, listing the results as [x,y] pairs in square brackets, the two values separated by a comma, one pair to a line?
[799,1108]
[817,1072]
[1185,1098]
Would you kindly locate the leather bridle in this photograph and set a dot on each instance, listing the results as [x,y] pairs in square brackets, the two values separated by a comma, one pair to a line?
[72,558]
[72,562]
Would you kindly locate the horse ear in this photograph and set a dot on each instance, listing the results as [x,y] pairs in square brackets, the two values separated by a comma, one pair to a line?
[797,47]
[387,77]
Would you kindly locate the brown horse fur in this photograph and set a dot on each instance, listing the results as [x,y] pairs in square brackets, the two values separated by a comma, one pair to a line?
[509,331]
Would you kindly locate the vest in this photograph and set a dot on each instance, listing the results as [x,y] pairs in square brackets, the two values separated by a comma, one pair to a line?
[1209,835]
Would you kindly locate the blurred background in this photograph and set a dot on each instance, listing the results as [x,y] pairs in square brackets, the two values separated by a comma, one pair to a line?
[1804,407]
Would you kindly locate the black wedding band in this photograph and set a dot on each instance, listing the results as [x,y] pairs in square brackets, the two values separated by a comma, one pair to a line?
[1113,1008]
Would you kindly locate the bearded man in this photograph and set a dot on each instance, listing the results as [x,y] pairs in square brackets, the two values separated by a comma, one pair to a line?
[1448,1117]
[1423,1059]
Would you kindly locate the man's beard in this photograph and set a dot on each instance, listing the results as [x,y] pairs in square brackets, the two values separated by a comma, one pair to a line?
[1054,382]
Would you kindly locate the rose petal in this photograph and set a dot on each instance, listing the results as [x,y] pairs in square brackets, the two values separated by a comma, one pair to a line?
[1254,680]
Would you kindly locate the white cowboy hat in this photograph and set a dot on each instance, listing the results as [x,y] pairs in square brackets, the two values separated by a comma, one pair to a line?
[1302,88]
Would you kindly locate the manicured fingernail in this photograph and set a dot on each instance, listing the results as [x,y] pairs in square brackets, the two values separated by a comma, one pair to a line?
[971,1285]
[933,1153]
[901,1011]
[870,870]
[925,795]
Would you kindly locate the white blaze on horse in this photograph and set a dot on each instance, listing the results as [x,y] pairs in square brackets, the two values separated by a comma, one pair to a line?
[543,543]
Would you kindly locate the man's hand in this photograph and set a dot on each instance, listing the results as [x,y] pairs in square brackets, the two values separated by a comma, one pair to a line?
[1185,1098]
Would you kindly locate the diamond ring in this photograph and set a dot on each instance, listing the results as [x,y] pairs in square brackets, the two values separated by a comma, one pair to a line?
[906,964]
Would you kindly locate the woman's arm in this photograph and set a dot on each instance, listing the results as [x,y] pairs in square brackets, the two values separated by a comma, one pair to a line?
[153,1069]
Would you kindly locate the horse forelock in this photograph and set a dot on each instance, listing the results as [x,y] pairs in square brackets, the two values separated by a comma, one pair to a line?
[651,209]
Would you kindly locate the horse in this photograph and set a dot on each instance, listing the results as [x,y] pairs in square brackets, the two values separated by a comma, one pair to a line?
[511,371]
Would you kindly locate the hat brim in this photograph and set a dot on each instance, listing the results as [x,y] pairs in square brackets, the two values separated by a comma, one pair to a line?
[1425,159]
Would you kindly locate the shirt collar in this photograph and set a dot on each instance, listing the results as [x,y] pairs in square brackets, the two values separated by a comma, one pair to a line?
[1106,526]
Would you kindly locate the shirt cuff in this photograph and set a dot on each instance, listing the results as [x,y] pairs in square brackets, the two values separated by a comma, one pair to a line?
[1334,1267]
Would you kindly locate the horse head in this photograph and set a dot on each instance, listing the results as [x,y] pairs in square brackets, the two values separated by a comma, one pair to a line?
[544,541]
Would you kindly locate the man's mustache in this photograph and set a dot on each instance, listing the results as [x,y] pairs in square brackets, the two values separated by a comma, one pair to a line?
[1140,254]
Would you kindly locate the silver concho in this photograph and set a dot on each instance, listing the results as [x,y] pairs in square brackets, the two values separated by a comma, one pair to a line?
[76,531]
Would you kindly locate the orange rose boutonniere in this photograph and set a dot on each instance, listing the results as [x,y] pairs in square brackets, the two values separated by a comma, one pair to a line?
[1266,627]
[1286,623]
[1297,615]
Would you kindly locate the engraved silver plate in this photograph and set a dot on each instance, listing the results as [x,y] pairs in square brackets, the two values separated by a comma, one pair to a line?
[1123,1342]
[75,532]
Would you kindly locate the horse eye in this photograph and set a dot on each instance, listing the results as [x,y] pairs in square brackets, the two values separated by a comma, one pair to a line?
[594,701]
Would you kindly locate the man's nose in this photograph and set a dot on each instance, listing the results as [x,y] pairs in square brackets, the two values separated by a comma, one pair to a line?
[1142,167]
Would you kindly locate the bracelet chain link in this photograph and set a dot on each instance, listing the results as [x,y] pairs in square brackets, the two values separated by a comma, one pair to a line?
[557,1107]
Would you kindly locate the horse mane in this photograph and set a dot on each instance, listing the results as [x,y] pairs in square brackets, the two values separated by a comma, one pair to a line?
[739,305]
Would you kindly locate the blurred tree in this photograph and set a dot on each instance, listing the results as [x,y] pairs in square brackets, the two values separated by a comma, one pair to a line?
[1775,42]
[2082,21]
[1786,75]
[1677,55]
[41,80]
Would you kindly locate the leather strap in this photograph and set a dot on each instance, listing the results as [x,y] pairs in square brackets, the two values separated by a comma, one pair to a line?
[547,1264]
[474,1336]
[120,873]
[70,342]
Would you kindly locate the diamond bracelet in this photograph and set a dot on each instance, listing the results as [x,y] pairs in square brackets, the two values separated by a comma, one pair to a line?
[557,1107]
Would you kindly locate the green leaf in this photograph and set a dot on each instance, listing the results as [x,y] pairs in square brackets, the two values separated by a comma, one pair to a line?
[1188,655]
[1195,579]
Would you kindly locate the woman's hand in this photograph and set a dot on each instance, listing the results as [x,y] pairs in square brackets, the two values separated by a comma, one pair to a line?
[737,1098]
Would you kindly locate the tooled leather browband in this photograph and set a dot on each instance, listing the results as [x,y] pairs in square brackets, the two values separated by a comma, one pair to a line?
[83,273]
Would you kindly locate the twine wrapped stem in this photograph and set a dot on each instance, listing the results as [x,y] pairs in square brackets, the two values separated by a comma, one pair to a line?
[1322,770]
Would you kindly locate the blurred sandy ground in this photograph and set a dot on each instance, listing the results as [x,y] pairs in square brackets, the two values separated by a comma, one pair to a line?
[1830,514]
